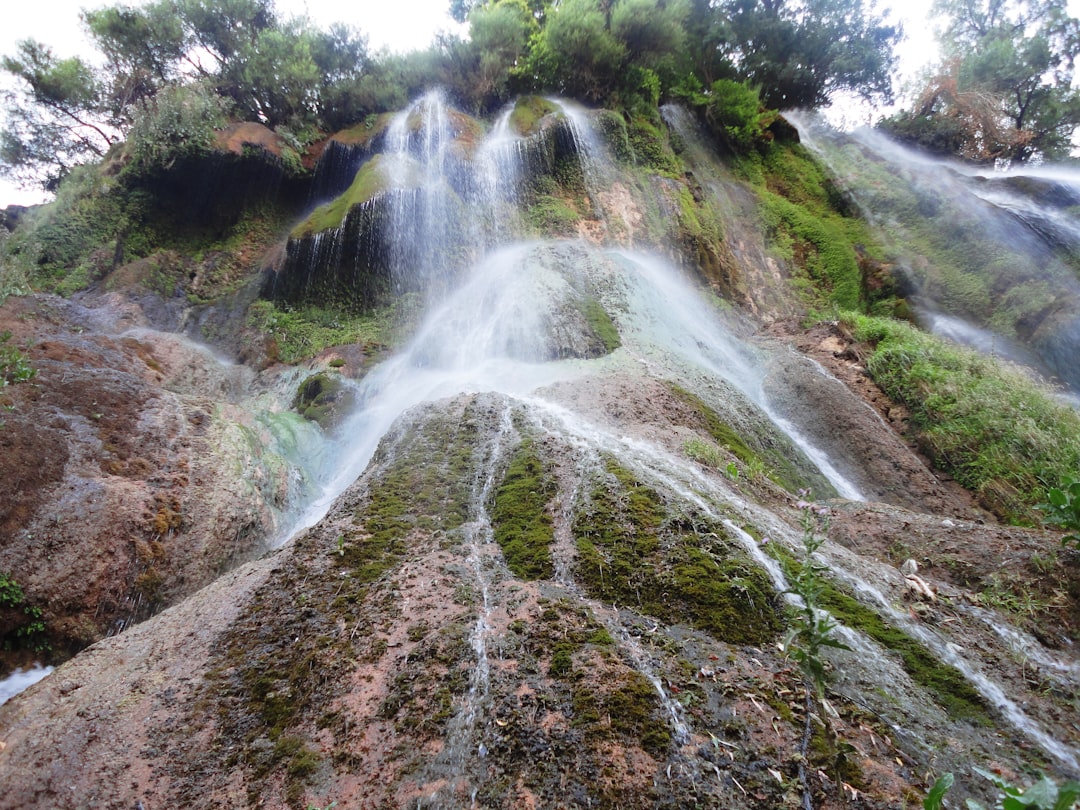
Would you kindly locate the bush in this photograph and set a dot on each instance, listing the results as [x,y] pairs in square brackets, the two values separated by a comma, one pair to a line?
[14,367]
[178,122]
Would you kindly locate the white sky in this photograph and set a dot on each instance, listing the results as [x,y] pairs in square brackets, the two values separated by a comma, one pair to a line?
[399,25]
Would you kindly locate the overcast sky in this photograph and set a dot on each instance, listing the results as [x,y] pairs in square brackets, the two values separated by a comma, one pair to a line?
[400,25]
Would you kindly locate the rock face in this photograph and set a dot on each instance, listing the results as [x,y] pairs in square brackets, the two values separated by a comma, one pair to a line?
[133,475]
[564,575]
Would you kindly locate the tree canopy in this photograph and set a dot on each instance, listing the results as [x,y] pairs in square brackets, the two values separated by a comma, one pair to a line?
[289,73]
[1004,89]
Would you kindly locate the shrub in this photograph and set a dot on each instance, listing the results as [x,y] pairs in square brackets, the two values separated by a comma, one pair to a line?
[14,367]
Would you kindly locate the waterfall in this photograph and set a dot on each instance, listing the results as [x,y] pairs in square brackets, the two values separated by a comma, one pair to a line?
[990,259]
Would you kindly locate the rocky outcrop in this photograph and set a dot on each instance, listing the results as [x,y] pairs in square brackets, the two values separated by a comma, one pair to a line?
[132,474]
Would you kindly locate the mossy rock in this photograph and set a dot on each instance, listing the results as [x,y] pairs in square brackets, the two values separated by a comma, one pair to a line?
[371,180]
[676,567]
[324,398]
[529,112]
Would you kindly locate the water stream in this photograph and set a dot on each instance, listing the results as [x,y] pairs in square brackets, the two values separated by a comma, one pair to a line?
[506,324]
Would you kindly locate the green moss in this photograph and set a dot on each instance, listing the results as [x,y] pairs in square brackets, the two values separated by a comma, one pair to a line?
[945,684]
[426,487]
[365,132]
[322,398]
[528,112]
[370,180]
[601,325]
[651,149]
[612,127]
[519,517]
[552,215]
[678,569]
[822,248]
[996,431]
[632,710]
[774,462]
[562,660]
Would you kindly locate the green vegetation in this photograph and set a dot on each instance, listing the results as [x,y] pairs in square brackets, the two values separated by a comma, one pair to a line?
[14,365]
[27,628]
[809,222]
[1063,509]
[945,684]
[1044,794]
[369,181]
[1004,88]
[322,398]
[528,112]
[676,569]
[811,628]
[300,334]
[520,517]
[989,426]
[601,325]
[763,459]
[631,710]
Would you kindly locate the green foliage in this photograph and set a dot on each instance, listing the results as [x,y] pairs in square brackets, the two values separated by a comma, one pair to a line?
[29,631]
[552,215]
[1044,794]
[811,629]
[799,54]
[177,123]
[1005,88]
[945,684]
[575,53]
[54,120]
[303,333]
[1063,509]
[934,798]
[734,111]
[14,365]
[996,431]
[520,519]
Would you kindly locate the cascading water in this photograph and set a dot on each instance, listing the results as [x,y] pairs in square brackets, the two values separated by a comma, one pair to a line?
[977,254]
[612,363]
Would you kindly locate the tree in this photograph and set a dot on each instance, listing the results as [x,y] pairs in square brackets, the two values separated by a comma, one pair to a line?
[575,53]
[799,54]
[499,36]
[1004,91]
[56,121]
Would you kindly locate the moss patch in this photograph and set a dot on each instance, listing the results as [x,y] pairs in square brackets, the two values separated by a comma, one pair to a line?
[774,462]
[519,515]
[675,568]
[601,325]
[371,179]
[323,398]
[528,112]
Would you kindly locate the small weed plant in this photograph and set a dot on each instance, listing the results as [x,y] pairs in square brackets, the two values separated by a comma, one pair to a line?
[1045,794]
[30,633]
[811,630]
[14,367]
[1063,509]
